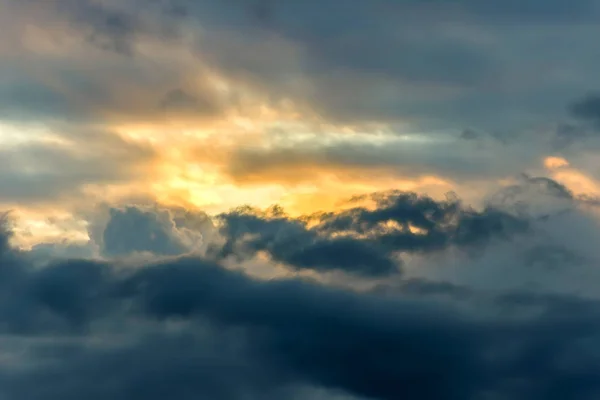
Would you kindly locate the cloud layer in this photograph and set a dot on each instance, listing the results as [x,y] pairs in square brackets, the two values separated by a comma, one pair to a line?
[191,325]
[191,103]
[392,323]
[259,199]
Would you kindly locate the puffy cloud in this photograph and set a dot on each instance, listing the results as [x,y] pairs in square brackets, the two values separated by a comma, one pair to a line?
[189,327]
[293,243]
[133,230]
[158,231]
[365,241]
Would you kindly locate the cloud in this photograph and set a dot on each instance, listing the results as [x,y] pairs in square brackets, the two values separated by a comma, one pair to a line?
[453,80]
[61,164]
[41,252]
[363,241]
[135,230]
[154,108]
[211,75]
[52,74]
[21,98]
[291,242]
[189,327]
[105,24]
[368,156]
[111,30]
[179,99]
[587,109]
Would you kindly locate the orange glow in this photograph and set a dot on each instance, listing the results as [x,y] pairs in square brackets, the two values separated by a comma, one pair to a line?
[555,162]
[578,182]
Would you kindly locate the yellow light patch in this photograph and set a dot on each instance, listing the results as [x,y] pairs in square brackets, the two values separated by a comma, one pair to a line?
[555,162]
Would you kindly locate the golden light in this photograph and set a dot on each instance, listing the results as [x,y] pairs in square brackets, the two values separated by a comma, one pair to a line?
[555,163]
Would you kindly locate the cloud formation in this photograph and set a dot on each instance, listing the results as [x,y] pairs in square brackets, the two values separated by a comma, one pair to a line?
[240,96]
[259,199]
[365,241]
[190,326]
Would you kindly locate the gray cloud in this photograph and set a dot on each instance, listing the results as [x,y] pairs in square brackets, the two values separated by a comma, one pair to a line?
[498,302]
[110,29]
[106,25]
[478,64]
[242,338]
[65,84]
[22,99]
[135,230]
[181,100]
[358,241]
[185,327]
[38,172]
[453,78]
[42,252]
[79,98]
[440,156]
[291,242]
[587,109]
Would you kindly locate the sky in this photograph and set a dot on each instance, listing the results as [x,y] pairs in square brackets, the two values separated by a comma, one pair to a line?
[284,199]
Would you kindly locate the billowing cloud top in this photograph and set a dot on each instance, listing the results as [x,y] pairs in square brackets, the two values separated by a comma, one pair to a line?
[282,199]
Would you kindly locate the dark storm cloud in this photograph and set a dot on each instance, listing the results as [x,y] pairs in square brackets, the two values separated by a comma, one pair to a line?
[242,338]
[183,367]
[358,240]
[291,242]
[441,223]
